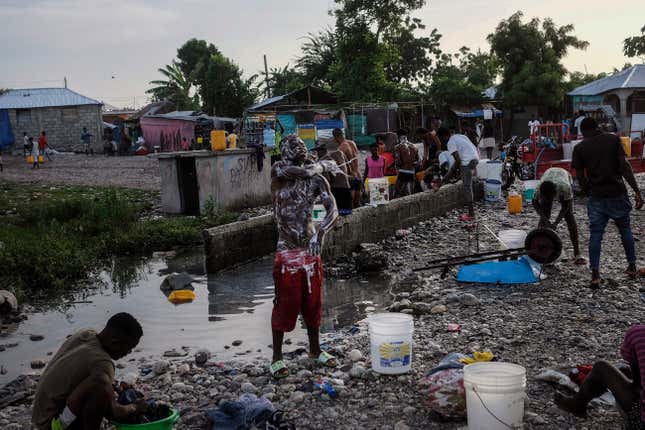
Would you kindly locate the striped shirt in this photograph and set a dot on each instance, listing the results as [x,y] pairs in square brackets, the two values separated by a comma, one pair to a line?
[633,351]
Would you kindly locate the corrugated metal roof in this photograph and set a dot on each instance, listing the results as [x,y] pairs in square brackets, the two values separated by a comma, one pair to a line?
[267,102]
[30,98]
[633,77]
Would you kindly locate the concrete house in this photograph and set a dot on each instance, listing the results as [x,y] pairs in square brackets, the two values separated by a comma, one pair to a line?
[60,112]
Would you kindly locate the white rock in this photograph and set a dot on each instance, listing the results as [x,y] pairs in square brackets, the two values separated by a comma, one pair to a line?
[355,355]
[401,425]
[438,309]
[297,397]
[161,367]
[249,388]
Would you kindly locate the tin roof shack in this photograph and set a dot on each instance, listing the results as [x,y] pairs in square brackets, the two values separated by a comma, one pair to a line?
[165,132]
[60,112]
[623,91]
[310,112]
[229,179]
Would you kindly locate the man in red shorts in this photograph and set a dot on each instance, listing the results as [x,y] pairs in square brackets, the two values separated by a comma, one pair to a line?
[296,183]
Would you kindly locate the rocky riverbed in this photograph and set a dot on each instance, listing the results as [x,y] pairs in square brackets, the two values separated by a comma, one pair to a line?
[555,324]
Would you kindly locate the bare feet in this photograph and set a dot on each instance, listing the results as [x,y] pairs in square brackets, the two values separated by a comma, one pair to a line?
[568,404]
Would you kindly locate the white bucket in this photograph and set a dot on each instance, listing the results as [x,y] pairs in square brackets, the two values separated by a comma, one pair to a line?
[379,191]
[482,169]
[495,170]
[492,190]
[495,395]
[567,151]
[512,239]
[391,342]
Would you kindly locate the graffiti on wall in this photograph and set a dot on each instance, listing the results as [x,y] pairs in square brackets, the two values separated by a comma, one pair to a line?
[242,171]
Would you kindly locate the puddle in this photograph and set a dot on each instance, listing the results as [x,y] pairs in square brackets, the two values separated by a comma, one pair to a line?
[233,305]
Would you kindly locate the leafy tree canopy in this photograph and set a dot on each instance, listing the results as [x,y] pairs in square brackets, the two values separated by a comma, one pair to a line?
[635,46]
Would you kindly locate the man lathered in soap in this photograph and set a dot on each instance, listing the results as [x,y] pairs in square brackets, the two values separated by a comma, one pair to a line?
[296,183]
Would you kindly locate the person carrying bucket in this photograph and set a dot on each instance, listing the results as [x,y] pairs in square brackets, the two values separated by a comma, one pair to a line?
[557,184]
[467,157]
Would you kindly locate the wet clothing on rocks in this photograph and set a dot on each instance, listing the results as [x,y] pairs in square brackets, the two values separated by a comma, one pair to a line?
[79,357]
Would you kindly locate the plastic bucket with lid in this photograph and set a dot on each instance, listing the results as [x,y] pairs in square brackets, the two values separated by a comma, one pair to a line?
[165,424]
[529,189]
[495,395]
[512,239]
[391,342]
[492,190]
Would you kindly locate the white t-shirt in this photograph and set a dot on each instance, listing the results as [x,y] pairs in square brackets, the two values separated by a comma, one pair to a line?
[446,157]
[576,124]
[461,144]
[533,125]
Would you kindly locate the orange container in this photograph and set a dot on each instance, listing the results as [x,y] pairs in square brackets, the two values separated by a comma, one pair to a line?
[41,159]
[627,145]
[218,140]
[514,203]
[30,159]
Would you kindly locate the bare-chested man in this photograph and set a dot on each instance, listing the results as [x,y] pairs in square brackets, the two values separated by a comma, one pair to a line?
[406,159]
[350,150]
[296,183]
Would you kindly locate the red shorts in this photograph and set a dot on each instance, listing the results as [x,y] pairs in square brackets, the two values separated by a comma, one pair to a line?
[298,278]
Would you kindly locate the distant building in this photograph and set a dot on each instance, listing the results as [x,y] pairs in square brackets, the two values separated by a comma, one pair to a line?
[60,112]
[623,91]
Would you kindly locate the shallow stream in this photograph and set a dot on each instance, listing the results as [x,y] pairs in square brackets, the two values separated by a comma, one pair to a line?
[231,305]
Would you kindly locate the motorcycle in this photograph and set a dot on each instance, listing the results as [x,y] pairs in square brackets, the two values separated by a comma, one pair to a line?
[513,166]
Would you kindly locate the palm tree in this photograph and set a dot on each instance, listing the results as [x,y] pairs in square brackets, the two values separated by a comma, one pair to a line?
[176,88]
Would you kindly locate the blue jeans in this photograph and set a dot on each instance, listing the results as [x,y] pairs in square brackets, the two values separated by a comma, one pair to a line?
[600,212]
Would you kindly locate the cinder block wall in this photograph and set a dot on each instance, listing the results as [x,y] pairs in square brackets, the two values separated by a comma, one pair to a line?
[238,242]
[63,132]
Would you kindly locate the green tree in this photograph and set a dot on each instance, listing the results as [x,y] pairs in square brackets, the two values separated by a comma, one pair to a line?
[318,55]
[378,55]
[460,79]
[193,57]
[224,91]
[530,55]
[176,87]
[635,46]
[282,81]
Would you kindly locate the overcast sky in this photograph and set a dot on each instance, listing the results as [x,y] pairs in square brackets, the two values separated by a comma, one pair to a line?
[89,41]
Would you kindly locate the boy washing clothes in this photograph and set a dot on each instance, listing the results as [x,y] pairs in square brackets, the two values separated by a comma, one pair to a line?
[296,183]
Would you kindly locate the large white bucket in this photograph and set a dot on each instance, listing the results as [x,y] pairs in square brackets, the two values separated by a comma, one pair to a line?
[378,191]
[391,342]
[482,169]
[492,190]
[495,170]
[495,395]
[512,239]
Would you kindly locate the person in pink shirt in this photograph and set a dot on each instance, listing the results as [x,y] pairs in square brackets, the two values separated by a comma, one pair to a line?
[374,164]
[185,146]
[604,376]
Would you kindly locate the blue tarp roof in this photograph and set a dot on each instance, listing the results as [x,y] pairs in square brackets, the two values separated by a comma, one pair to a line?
[31,98]
[633,77]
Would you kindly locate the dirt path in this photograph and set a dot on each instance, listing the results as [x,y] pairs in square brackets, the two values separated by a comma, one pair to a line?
[77,169]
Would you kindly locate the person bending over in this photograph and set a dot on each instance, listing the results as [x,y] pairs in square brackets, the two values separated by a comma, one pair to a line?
[76,391]
[604,376]
[557,184]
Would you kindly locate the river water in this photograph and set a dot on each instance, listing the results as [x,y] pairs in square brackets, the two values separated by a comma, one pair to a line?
[231,305]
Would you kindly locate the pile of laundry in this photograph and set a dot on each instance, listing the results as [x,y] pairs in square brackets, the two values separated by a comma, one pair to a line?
[248,412]
[155,411]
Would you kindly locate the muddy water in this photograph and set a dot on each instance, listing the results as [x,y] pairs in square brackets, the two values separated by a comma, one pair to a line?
[233,305]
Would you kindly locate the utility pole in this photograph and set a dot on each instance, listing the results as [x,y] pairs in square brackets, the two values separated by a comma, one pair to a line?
[65,81]
[266,76]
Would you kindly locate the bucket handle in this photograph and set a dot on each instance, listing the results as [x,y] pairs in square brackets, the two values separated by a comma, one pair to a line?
[491,413]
